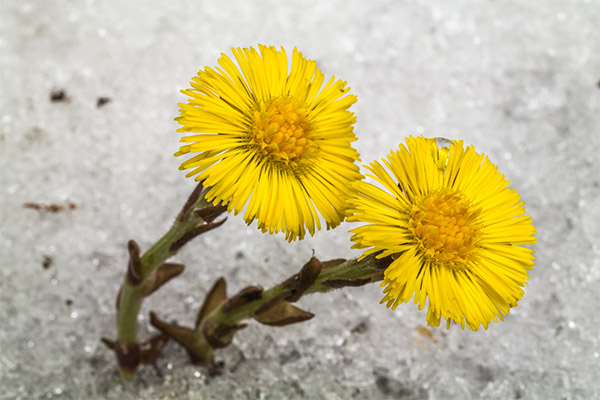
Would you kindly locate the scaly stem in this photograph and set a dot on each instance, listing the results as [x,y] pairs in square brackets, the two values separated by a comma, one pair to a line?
[352,272]
[221,316]
[133,294]
[148,272]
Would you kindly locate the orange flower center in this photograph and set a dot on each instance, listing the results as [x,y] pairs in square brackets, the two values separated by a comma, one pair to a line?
[281,131]
[446,227]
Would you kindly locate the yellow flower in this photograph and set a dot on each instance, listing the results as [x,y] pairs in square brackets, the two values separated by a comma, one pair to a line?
[270,138]
[447,217]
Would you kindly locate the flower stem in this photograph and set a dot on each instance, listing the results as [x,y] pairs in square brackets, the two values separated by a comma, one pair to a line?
[221,316]
[351,272]
[148,272]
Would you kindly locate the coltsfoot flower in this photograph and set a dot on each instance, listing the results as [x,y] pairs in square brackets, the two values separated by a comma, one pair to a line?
[271,139]
[447,216]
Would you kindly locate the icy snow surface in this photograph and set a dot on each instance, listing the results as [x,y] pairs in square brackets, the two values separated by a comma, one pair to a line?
[517,79]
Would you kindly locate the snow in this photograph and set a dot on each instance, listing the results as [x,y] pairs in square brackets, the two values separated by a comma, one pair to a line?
[516,79]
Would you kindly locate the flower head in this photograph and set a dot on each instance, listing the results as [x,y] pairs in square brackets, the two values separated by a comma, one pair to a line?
[447,217]
[271,139]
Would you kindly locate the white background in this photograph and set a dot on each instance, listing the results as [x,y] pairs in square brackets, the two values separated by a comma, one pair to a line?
[517,79]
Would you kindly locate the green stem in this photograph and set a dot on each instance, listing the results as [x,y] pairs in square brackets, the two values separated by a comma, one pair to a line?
[132,295]
[354,269]
[352,272]
[130,302]
[159,252]
[185,227]
[220,316]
